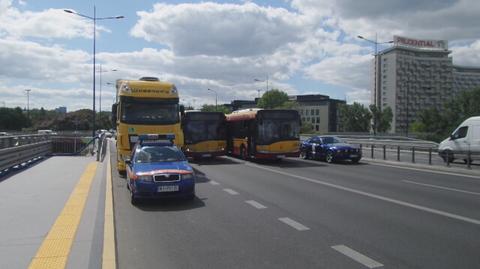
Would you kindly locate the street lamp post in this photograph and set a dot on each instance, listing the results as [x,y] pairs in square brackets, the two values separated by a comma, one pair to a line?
[94,19]
[100,71]
[28,102]
[216,98]
[375,91]
[259,80]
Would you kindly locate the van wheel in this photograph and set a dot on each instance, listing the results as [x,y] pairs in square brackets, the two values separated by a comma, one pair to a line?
[449,154]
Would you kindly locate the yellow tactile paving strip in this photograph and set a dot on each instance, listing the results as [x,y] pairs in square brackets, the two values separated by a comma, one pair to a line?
[109,260]
[53,253]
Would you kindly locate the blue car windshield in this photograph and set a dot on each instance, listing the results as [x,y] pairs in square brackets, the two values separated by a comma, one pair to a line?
[331,140]
[158,154]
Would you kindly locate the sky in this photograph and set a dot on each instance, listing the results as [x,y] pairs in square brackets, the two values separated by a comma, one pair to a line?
[231,47]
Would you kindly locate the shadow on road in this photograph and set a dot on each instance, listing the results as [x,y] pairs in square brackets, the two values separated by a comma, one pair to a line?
[290,163]
[214,161]
[170,204]
[200,176]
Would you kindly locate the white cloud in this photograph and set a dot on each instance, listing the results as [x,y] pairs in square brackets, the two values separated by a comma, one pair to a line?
[46,24]
[219,29]
[31,61]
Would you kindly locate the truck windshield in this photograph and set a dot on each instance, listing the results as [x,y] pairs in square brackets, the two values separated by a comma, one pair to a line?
[149,112]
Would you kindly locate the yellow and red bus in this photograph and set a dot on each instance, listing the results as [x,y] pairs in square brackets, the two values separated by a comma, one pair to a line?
[204,134]
[144,106]
[263,134]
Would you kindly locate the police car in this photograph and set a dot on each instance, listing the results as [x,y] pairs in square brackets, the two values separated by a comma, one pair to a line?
[158,169]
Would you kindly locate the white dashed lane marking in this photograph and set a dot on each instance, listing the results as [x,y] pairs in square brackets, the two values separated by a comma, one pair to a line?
[255,204]
[230,191]
[213,182]
[357,256]
[290,222]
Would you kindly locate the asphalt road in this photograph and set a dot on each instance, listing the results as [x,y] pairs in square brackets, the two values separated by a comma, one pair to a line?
[304,214]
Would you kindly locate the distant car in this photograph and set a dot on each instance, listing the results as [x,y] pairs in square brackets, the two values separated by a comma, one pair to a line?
[158,169]
[330,149]
[4,134]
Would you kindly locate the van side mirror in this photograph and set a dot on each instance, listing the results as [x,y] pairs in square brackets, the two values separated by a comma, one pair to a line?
[452,137]
[114,115]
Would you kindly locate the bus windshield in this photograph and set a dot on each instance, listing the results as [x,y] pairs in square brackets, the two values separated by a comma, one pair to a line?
[273,130]
[202,130]
[149,112]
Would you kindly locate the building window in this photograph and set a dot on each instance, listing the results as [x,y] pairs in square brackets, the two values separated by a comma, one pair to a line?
[318,119]
[316,128]
[317,112]
[312,111]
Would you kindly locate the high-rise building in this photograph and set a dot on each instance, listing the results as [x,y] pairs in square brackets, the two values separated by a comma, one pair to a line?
[414,75]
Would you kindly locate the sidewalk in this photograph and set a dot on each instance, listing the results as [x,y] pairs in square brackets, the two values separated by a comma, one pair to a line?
[33,199]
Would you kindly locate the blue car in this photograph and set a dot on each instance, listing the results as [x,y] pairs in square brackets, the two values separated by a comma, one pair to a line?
[330,149]
[158,169]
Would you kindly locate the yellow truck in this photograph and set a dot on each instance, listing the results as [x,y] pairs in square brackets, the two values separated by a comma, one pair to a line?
[144,106]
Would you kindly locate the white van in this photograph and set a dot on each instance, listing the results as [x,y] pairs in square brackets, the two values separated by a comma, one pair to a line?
[465,138]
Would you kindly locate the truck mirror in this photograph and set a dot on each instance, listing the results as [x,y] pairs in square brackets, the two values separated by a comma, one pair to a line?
[114,114]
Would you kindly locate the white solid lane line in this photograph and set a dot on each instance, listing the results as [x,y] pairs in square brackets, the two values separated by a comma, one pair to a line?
[230,191]
[213,182]
[356,256]
[294,224]
[375,196]
[255,204]
[441,187]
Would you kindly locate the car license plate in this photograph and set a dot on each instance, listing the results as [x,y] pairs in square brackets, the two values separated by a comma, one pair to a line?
[206,155]
[280,156]
[170,188]
[354,156]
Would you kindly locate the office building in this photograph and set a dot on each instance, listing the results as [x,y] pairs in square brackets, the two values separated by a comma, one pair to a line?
[414,75]
[319,110]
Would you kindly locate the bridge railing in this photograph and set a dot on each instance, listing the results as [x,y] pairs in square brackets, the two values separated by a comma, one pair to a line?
[20,140]
[24,154]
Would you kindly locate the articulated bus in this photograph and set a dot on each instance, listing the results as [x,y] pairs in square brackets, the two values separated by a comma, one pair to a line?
[263,134]
[144,106]
[204,133]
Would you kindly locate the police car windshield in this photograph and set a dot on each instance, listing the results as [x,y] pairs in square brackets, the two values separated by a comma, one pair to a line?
[154,154]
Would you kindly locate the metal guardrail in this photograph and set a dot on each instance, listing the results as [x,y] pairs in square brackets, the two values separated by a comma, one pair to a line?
[20,140]
[10,157]
[410,153]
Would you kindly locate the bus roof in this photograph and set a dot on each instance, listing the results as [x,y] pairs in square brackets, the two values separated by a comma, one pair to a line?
[146,88]
[251,113]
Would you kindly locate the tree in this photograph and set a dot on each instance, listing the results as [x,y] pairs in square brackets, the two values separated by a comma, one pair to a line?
[382,119]
[434,124]
[13,119]
[306,128]
[354,118]
[211,108]
[273,99]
